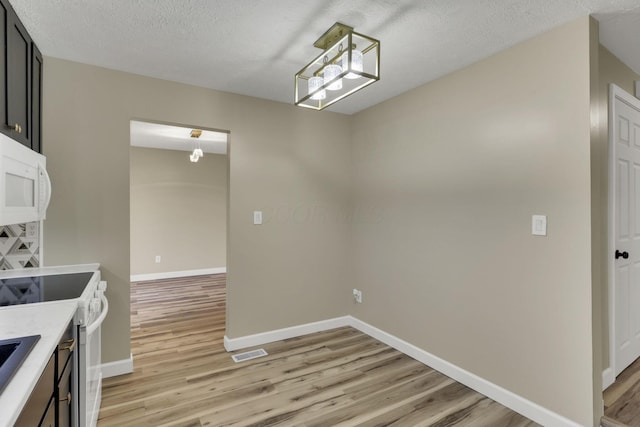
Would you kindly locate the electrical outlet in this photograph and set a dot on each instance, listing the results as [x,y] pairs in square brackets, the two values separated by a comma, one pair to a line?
[357,295]
[158,259]
[31,229]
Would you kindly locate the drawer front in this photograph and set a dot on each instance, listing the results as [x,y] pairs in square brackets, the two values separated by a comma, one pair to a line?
[40,398]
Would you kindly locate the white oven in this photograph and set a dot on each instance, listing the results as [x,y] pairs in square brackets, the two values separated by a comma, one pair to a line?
[92,310]
[25,188]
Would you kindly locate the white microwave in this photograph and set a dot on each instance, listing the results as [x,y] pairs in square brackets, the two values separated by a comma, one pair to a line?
[25,188]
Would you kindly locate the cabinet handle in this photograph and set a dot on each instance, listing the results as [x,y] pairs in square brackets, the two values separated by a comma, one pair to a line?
[71,345]
[68,399]
[15,128]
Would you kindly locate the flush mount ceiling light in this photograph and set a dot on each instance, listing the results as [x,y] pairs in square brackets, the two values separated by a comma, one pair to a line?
[349,62]
[197,151]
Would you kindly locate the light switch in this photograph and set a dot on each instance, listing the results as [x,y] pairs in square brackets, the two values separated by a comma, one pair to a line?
[257,217]
[539,225]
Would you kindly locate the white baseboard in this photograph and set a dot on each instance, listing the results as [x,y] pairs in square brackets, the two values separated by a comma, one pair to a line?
[501,395]
[608,378]
[175,274]
[119,367]
[232,344]
[509,399]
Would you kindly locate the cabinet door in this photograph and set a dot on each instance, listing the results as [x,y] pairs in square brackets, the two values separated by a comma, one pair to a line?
[65,398]
[49,419]
[5,9]
[18,80]
[39,403]
[36,99]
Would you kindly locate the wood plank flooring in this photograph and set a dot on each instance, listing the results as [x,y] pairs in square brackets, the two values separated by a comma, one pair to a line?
[184,377]
[622,398]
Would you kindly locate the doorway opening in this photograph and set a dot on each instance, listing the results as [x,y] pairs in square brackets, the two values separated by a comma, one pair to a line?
[178,231]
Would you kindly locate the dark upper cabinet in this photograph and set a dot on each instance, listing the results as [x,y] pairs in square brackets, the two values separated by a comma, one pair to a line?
[4,24]
[36,99]
[21,81]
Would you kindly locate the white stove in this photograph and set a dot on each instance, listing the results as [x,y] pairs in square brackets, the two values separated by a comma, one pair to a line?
[48,285]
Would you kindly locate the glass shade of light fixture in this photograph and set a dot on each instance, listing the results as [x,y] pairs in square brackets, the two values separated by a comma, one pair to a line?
[331,72]
[198,152]
[355,65]
[343,69]
[315,83]
[194,157]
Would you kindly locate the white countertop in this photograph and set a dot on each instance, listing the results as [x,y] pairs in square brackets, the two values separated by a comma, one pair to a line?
[49,320]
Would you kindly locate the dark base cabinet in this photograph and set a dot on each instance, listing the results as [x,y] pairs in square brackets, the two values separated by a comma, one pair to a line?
[40,403]
[20,81]
[50,403]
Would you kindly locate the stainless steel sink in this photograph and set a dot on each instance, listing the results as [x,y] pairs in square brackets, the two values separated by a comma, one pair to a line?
[13,351]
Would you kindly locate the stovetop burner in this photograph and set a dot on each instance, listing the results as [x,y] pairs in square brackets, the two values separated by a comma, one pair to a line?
[28,290]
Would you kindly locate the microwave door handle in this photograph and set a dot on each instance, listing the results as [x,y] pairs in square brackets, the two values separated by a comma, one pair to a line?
[96,323]
[44,207]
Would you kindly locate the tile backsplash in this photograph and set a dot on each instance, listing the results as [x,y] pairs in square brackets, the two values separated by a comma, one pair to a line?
[20,246]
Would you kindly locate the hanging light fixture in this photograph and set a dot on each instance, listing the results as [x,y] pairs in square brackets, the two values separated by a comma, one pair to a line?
[197,151]
[349,61]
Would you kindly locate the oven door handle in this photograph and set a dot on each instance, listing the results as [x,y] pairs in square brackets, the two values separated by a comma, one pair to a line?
[96,323]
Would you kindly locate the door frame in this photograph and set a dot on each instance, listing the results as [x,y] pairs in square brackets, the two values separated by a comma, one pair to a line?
[615,92]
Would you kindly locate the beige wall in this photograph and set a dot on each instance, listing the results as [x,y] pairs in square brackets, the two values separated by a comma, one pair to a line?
[178,211]
[450,174]
[611,70]
[289,162]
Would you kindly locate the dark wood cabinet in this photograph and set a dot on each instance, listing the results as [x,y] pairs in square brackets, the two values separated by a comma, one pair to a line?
[36,99]
[40,403]
[49,419]
[21,81]
[5,11]
[64,375]
[50,403]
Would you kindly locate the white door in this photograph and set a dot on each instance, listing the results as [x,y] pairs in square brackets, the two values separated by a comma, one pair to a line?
[624,247]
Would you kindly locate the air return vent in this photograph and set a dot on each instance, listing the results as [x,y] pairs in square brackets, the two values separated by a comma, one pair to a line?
[248,355]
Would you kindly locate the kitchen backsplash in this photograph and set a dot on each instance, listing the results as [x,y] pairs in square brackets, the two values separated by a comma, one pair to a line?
[20,246]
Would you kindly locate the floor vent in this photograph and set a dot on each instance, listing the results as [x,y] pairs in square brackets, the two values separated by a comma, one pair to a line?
[248,355]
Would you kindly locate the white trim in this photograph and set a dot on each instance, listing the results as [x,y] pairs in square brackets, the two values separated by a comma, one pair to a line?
[638,89]
[608,378]
[232,344]
[507,398]
[611,239]
[501,395]
[174,274]
[119,367]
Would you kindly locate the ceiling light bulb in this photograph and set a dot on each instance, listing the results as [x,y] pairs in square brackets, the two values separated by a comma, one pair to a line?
[330,72]
[193,157]
[314,84]
[356,63]
[198,152]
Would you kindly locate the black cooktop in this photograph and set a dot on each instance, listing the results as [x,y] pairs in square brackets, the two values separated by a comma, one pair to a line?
[27,290]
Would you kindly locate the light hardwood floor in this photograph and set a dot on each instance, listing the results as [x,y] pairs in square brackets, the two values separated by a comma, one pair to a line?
[622,398]
[184,377]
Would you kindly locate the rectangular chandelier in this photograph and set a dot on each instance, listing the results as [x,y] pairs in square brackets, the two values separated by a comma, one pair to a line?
[349,61]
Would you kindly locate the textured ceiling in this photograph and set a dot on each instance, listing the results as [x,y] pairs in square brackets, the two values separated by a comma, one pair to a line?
[254,47]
